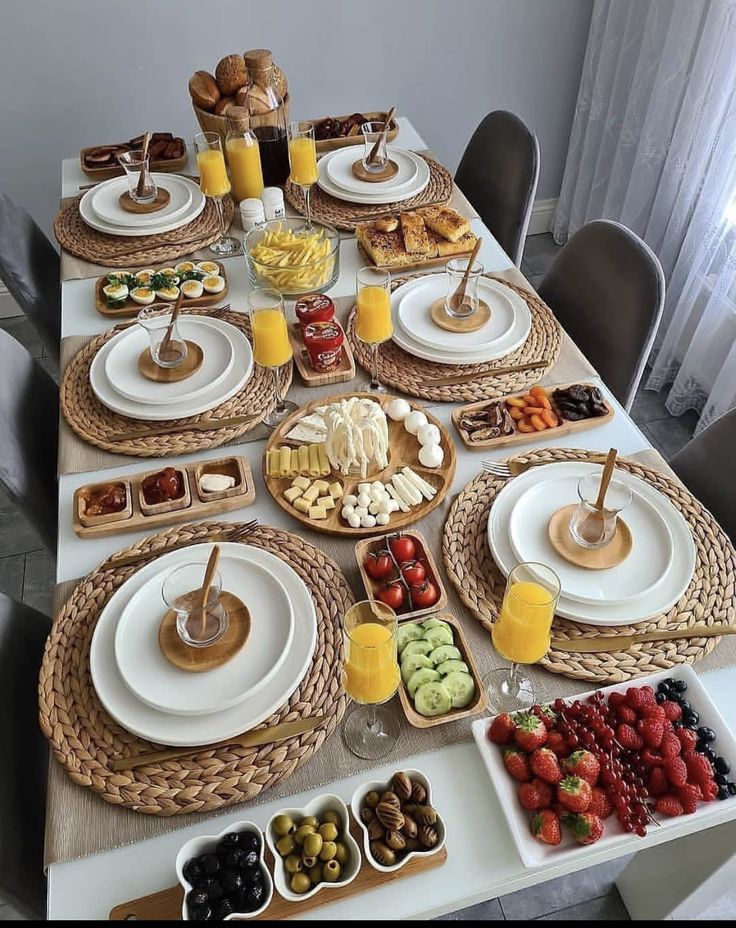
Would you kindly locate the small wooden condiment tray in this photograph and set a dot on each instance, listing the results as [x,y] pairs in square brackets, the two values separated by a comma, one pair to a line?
[519,438]
[325,145]
[130,307]
[166,905]
[344,371]
[105,173]
[366,545]
[419,264]
[194,504]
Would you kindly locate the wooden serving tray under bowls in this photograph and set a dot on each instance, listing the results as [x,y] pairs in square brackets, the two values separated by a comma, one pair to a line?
[519,438]
[325,145]
[130,307]
[105,173]
[403,452]
[312,378]
[194,504]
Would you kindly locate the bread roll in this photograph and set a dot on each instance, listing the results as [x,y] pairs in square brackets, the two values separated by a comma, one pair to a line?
[203,90]
[259,101]
[222,105]
[241,96]
[230,74]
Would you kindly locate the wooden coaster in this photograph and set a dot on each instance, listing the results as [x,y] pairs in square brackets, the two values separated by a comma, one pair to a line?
[444,320]
[391,170]
[614,553]
[199,660]
[191,364]
[130,206]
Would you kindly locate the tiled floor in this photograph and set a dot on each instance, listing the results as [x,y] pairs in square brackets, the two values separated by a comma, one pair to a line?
[27,573]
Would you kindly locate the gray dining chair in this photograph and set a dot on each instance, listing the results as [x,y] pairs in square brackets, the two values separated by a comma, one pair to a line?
[23,633]
[29,423]
[498,173]
[29,268]
[704,466]
[606,288]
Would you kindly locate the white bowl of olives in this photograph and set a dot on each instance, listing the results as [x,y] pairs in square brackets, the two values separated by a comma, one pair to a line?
[312,848]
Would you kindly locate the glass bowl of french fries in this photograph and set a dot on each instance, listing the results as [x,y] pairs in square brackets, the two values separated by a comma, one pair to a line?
[292,258]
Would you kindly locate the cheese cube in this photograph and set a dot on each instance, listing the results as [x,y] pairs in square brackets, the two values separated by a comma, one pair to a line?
[317,512]
[335,490]
[303,505]
[292,493]
[311,493]
[326,502]
[301,482]
[322,485]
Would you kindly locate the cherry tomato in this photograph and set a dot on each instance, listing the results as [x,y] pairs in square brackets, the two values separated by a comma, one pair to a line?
[378,565]
[392,594]
[413,572]
[402,547]
[424,595]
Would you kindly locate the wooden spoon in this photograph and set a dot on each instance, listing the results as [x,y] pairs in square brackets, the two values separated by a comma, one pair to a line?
[208,578]
[382,137]
[144,155]
[594,524]
[166,340]
[458,297]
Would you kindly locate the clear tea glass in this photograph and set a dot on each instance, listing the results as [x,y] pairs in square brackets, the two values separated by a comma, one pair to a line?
[593,528]
[455,270]
[196,626]
[133,163]
[155,320]
[372,132]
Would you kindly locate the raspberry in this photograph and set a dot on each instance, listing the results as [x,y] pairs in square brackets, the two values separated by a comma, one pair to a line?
[600,804]
[672,710]
[670,746]
[654,712]
[688,739]
[658,783]
[651,731]
[669,805]
[709,791]
[651,758]
[628,738]
[615,700]
[698,767]
[626,715]
[639,697]
[676,770]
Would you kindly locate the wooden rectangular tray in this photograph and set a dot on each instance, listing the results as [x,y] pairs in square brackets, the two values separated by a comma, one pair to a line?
[168,514]
[169,165]
[520,438]
[415,265]
[131,308]
[344,371]
[326,145]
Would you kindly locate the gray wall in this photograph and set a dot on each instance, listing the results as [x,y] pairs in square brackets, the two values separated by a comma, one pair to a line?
[85,72]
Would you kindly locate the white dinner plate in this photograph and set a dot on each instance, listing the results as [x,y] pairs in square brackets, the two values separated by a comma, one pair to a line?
[163,686]
[339,168]
[233,381]
[643,570]
[101,225]
[516,337]
[105,201]
[121,363]
[659,600]
[405,192]
[415,317]
[188,730]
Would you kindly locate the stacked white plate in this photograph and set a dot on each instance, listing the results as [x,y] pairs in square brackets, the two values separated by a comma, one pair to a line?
[100,207]
[226,367]
[415,332]
[157,701]
[651,579]
[336,177]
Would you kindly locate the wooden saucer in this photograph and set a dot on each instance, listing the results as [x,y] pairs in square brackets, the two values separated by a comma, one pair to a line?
[391,170]
[444,320]
[191,364]
[130,206]
[198,660]
[614,553]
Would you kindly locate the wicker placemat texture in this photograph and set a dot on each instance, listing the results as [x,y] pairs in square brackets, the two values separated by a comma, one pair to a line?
[403,371]
[74,235]
[710,598]
[345,215]
[98,425]
[84,738]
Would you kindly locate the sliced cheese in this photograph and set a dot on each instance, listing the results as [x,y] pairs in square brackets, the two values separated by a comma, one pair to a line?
[314,468]
[324,462]
[409,494]
[306,434]
[284,461]
[426,489]
[304,460]
[322,485]
[397,498]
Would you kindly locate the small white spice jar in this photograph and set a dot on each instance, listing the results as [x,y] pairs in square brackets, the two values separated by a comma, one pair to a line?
[273,203]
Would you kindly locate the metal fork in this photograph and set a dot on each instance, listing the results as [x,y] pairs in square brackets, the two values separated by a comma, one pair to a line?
[506,469]
[236,534]
[216,312]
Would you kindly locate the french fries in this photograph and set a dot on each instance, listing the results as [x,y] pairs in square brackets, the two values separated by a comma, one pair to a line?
[293,262]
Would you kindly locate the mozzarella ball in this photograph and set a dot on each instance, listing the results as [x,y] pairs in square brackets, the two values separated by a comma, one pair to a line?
[384,508]
[414,421]
[382,518]
[347,510]
[364,500]
[373,509]
[364,488]
[398,410]
[361,511]
[350,500]
[368,521]
[431,455]
[354,520]
[429,434]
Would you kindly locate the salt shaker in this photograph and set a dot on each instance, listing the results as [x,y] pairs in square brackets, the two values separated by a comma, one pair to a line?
[273,203]
[252,215]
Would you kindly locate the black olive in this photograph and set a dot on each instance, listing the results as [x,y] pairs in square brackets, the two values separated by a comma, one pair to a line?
[706,734]
[210,864]
[200,913]
[723,792]
[732,789]
[204,883]
[197,897]
[224,908]
[249,842]
[721,779]
[239,901]
[215,891]
[255,897]
[235,858]
[192,871]
[679,686]
[722,765]
[231,839]
[232,881]
[250,860]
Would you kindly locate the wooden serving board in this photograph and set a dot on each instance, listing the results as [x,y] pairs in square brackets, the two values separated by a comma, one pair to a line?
[414,265]
[520,438]
[344,371]
[326,145]
[403,452]
[168,165]
[190,506]
[130,307]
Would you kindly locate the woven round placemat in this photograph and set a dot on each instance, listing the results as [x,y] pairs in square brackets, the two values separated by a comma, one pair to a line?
[74,235]
[409,374]
[709,599]
[344,215]
[85,739]
[98,425]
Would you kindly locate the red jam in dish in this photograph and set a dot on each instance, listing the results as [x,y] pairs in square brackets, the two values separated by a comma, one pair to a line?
[164,486]
[314,308]
[106,499]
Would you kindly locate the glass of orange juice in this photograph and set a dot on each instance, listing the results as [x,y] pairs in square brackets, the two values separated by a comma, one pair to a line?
[215,183]
[271,344]
[303,161]
[244,161]
[371,677]
[373,323]
[521,633]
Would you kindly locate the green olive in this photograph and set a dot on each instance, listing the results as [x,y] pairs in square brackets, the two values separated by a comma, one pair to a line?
[283,825]
[328,831]
[332,818]
[285,845]
[329,850]
[331,871]
[342,854]
[301,833]
[312,845]
[372,799]
[309,862]
[310,820]
[293,864]
[315,874]
[300,883]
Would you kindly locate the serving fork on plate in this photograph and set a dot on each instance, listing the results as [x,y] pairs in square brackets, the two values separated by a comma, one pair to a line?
[239,532]
[507,469]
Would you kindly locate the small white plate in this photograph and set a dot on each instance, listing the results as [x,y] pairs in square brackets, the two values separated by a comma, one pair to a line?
[339,168]
[405,192]
[159,684]
[106,196]
[121,363]
[93,220]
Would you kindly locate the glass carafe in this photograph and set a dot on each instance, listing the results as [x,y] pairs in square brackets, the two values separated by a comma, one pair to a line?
[267,117]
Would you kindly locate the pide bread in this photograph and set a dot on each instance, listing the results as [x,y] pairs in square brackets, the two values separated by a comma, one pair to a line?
[415,233]
[445,221]
[390,246]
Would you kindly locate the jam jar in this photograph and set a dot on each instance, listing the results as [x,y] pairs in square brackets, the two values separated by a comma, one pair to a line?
[323,341]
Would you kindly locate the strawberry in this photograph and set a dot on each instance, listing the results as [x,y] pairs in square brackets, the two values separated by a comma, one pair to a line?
[545,765]
[557,743]
[626,716]
[698,767]
[517,764]
[676,770]
[628,738]
[502,729]
[689,794]
[545,714]
[671,745]
[535,795]
[530,732]
[654,712]
[657,783]
[709,790]
[586,828]
[650,730]
[687,738]
[575,794]
[583,764]
[672,710]
[651,758]
[668,805]
[546,827]
[600,804]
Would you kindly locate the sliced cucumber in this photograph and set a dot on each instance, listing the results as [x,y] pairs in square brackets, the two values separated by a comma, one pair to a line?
[445,652]
[461,688]
[413,662]
[432,699]
[434,623]
[408,632]
[438,636]
[452,666]
[420,646]
[420,678]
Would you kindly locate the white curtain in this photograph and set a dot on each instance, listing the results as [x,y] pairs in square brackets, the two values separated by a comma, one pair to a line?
[653,146]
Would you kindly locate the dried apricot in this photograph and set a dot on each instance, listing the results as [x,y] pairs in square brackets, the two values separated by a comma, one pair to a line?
[538,423]
[524,426]
[516,413]
[538,390]
[550,418]
[533,410]
[515,401]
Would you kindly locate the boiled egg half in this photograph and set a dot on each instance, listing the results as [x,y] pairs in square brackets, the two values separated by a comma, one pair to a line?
[167,293]
[214,283]
[144,277]
[184,266]
[115,291]
[192,289]
[209,267]
[142,295]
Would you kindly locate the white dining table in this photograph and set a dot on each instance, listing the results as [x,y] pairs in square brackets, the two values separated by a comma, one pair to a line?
[482,860]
